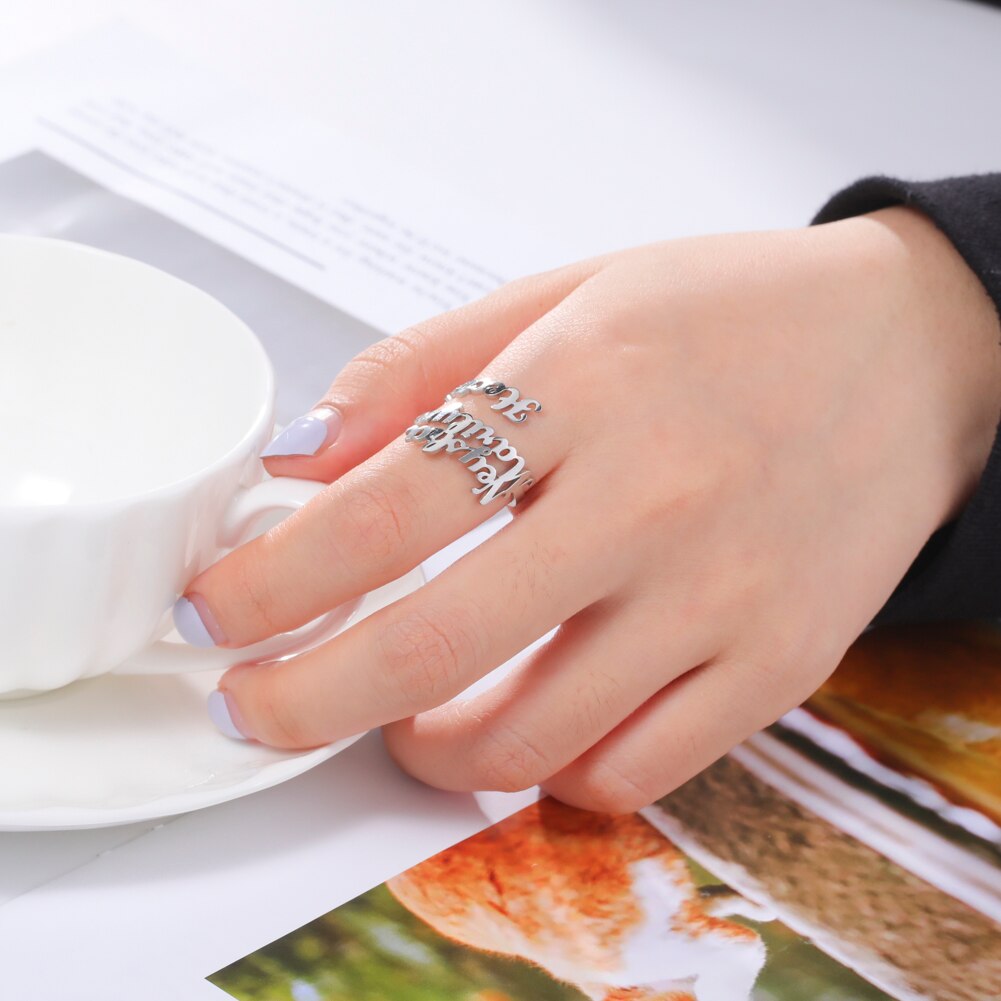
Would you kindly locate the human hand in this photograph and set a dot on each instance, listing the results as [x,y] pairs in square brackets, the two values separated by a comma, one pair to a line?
[746,441]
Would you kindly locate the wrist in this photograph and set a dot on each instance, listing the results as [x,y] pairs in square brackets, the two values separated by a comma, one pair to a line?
[946,338]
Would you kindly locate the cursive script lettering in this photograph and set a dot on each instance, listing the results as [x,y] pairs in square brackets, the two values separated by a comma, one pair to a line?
[476,444]
[506,399]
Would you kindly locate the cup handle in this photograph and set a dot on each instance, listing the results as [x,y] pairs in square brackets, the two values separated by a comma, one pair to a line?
[249,506]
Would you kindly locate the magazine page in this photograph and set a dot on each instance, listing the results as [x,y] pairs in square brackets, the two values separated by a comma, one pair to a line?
[758,879]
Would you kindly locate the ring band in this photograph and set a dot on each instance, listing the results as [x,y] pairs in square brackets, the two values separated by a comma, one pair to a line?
[499,469]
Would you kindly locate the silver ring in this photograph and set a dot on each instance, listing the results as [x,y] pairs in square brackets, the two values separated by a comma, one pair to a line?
[499,469]
[506,399]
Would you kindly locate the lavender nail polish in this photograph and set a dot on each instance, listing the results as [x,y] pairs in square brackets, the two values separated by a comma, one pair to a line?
[222,715]
[306,434]
[195,622]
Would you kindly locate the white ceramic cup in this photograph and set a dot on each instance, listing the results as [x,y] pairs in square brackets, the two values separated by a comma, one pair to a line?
[134,408]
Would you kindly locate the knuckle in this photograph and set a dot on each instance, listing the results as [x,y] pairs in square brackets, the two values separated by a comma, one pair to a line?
[252,585]
[598,699]
[535,574]
[773,669]
[381,517]
[673,505]
[275,709]
[387,359]
[769,672]
[506,760]
[781,679]
[423,658]
[381,359]
[608,787]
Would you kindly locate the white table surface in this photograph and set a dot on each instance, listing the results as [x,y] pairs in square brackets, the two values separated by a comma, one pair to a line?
[618,122]
[623,120]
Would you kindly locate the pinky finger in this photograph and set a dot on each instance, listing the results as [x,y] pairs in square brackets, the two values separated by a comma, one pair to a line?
[686,727]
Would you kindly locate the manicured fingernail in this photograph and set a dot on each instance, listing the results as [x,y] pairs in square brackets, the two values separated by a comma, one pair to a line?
[226,716]
[306,435]
[195,623]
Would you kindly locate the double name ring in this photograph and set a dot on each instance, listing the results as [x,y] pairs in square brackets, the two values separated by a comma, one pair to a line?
[498,468]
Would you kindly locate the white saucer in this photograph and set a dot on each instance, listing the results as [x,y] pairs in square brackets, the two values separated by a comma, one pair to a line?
[115,750]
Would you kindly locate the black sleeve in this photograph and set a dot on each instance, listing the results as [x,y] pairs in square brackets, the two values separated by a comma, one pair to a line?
[958,573]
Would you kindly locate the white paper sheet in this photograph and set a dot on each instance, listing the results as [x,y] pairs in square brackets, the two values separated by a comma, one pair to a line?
[383,243]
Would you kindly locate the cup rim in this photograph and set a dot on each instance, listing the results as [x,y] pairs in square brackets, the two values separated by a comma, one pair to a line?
[244,447]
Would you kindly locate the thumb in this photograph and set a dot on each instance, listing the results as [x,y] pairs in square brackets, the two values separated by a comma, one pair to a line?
[380,391]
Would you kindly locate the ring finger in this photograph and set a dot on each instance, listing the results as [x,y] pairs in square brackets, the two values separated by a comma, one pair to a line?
[426,648]
[558,703]
[680,731]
